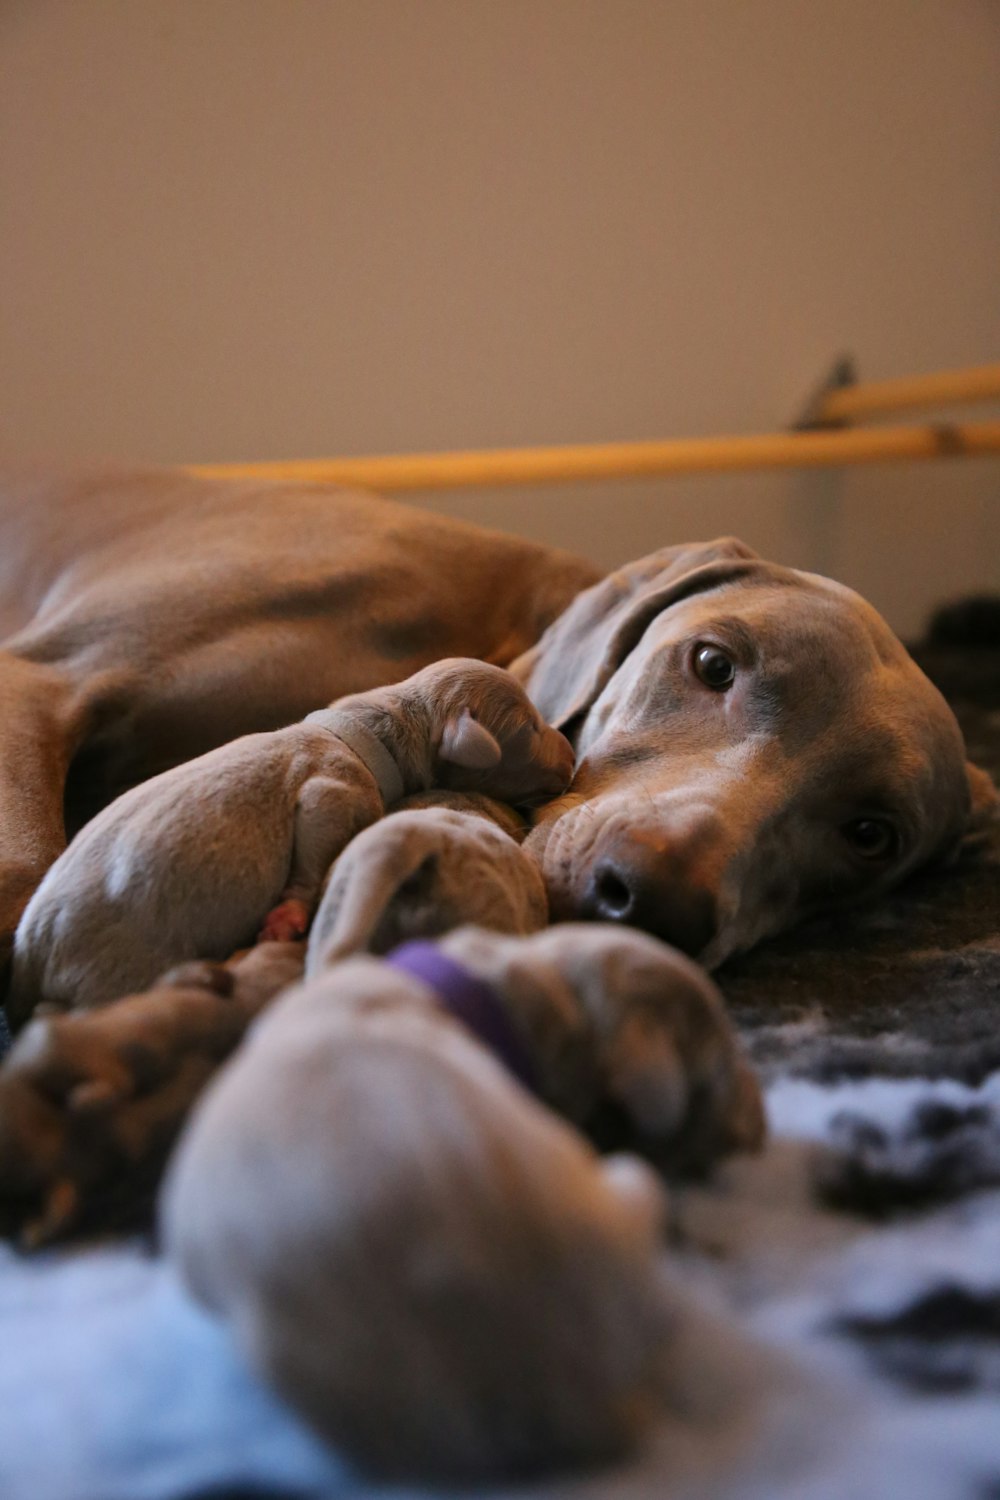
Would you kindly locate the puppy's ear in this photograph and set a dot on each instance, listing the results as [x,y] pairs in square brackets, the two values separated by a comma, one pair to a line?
[465,742]
[984,800]
[578,654]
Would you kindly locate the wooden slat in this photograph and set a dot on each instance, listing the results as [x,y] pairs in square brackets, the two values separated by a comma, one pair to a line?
[533,466]
[872,398]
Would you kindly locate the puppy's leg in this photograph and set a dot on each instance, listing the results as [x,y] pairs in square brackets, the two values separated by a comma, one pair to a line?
[91,1102]
[38,732]
[328,814]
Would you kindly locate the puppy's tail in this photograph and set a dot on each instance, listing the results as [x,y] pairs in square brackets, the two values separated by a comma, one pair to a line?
[367,882]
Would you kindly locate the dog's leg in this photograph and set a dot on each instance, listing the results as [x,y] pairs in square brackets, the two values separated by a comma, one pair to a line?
[327,816]
[38,733]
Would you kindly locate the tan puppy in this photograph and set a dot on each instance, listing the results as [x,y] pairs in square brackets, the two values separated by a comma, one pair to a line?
[191,863]
[438,861]
[91,1102]
[437,1273]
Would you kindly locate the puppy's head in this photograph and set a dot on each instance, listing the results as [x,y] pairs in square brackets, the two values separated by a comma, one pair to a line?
[631,1039]
[488,736]
[754,746]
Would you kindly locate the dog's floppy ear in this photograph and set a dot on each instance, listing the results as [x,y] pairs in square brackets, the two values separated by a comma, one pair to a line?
[581,651]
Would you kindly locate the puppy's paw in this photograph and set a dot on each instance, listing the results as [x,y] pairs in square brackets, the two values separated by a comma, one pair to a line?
[285,923]
[671,1079]
[677,1088]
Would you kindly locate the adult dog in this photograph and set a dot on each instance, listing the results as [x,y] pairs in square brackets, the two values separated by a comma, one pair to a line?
[754,743]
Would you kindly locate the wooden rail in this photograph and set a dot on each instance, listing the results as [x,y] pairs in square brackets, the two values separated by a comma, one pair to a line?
[873,398]
[533,466]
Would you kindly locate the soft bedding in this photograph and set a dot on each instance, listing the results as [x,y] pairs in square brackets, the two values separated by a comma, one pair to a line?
[842,1336]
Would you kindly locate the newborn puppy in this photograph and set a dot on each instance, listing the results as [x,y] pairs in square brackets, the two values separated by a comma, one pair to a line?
[438,861]
[189,864]
[436,1272]
[92,1102]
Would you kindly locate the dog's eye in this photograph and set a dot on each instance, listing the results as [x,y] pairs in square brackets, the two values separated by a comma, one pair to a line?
[872,838]
[713,667]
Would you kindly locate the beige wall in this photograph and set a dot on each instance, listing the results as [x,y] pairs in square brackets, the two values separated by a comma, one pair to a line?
[275,228]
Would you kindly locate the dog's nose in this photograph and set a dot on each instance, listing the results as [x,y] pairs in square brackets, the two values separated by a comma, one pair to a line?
[639,883]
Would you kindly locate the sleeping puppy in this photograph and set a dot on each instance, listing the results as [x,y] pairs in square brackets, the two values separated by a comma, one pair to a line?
[754,747]
[191,863]
[438,861]
[435,1271]
[92,1101]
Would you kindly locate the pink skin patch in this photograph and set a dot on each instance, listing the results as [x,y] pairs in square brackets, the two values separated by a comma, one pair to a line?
[285,923]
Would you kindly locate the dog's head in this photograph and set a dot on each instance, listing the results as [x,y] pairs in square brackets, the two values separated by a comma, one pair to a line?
[754,746]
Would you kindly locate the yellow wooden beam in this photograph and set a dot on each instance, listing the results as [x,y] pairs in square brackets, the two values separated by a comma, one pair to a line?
[532,466]
[873,398]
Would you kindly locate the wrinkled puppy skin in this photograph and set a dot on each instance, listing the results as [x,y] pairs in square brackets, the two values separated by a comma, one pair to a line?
[193,862]
[91,1102]
[442,860]
[436,1272]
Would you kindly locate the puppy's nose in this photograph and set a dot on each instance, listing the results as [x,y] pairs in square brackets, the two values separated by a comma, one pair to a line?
[554,761]
[638,883]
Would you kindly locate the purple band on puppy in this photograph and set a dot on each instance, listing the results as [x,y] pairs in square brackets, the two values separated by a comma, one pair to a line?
[470,1000]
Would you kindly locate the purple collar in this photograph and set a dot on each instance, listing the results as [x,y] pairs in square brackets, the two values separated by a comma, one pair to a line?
[470,1000]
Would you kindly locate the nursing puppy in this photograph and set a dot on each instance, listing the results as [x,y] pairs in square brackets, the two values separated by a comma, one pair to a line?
[438,1274]
[191,863]
[442,860]
[92,1101]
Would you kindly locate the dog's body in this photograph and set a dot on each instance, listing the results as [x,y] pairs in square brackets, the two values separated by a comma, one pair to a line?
[438,861]
[192,863]
[156,615]
[150,617]
[433,1269]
